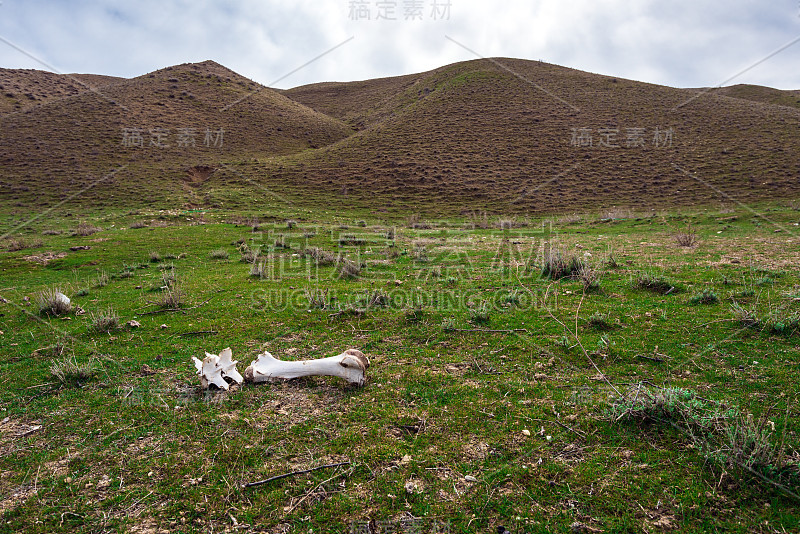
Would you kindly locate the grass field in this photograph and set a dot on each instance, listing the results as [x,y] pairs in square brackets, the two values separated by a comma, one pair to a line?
[497,396]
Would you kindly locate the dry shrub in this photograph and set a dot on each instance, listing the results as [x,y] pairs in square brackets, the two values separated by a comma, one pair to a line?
[51,302]
[686,238]
[85,229]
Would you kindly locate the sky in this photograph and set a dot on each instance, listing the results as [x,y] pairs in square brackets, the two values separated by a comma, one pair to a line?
[287,43]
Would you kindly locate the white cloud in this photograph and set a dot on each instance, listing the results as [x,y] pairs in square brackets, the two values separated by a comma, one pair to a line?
[681,43]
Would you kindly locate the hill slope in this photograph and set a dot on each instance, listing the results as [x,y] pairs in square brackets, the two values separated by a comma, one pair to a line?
[501,138]
[503,135]
[21,89]
[150,130]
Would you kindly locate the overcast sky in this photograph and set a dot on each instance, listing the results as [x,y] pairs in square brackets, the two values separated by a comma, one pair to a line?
[683,43]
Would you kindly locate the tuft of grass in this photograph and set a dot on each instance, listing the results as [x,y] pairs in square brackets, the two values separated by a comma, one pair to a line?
[52,232]
[219,254]
[600,321]
[17,243]
[655,284]
[745,317]
[480,314]
[85,229]
[735,442]
[52,302]
[448,324]
[351,240]
[155,257]
[347,268]
[706,297]
[138,224]
[291,223]
[103,321]
[101,280]
[69,372]
[321,257]
[590,278]
[557,265]
[317,299]
[686,238]
[258,269]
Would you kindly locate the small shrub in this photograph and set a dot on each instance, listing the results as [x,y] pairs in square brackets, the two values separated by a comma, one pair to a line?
[280,242]
[590,279]
[101,280]
[317,299]
[745,317]
[321,257]
[219,254]
[655,284]
[686,238]
[69,371]
[291,224]
[420,253]
[104,321]
[765,281]
[347,268]
[155,257]
[505,224]
[448,324]
[52,232]
[138,224]
[600,321]
[173,296]
[378,299]
[556,265]
[706,297]
[351,240]
[248,256]
[390,234]
[362,224]
[82,293]
[173,256]
[512,298]
[51,301]
[611,262]
[480,314]
[258,269]
[85,229]
[18,243]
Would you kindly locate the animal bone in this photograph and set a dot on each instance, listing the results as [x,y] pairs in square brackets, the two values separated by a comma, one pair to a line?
[214,369]
[350,365]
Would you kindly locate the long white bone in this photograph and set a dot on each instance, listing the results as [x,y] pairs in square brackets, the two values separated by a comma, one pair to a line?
[351,365]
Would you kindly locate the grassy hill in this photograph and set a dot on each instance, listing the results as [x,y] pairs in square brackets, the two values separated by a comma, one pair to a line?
[21,89]
[502,135]
[188,117]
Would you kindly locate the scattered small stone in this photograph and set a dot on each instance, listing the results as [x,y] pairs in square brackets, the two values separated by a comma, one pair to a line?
[470,478]
[163,326]
[526,432]
[80,247]
[134,324]
[104,483]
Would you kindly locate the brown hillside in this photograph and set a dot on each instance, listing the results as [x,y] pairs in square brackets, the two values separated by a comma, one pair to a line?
[474,135]
[179,113]
[21,89]
[758,93]
[497,135]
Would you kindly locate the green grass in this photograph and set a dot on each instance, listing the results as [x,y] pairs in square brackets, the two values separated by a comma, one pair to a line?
[468,349]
